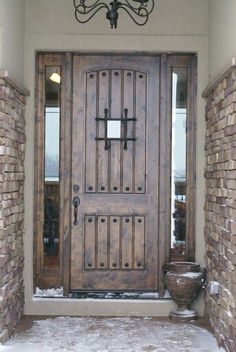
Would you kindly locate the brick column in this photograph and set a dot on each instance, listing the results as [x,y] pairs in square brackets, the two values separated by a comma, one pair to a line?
[12,152]
[220,205]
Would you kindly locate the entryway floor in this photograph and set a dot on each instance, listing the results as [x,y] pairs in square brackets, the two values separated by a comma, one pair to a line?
[87,334]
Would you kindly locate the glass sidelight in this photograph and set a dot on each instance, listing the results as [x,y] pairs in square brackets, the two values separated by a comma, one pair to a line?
[178,162]
[51,167]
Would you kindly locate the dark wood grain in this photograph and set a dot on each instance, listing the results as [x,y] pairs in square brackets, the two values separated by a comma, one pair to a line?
[91,131]
[65,170]
[115,162]
[128,154]
[103,96]
[115,242]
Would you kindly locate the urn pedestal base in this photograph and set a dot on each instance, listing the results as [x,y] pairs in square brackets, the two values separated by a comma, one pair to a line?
[183,315]
[184,281]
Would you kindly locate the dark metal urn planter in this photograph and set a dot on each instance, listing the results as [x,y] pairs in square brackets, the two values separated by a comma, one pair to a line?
[184,281]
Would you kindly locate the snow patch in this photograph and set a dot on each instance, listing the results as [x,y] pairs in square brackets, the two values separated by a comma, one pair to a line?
[191,274]
[185,312]
[140,295]
[58,292]
[50,292]
[87,334]
[167,294]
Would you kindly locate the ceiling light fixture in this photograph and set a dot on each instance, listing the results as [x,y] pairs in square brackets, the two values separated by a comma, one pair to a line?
[138,10]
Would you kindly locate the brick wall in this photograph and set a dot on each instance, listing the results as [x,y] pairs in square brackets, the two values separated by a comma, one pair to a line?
[12,151]
[220,206]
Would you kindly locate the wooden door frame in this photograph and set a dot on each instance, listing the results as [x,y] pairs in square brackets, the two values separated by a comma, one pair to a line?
[43,275]
[61,277]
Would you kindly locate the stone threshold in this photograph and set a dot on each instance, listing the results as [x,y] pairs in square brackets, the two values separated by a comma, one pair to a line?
[99,307]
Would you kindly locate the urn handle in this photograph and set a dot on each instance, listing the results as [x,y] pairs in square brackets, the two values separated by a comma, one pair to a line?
[204,277]
[165,268]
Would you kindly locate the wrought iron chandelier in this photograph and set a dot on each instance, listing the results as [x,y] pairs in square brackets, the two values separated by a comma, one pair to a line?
[138,10]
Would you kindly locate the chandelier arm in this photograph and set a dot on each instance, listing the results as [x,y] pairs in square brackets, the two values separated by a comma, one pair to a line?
[141,5]
[83,4]
[88,9]
[152,6]
[126,8]
[86,13]
[138,10]
[94,10]
[130,5]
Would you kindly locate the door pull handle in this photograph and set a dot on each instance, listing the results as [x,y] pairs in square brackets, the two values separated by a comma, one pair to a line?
[76,203]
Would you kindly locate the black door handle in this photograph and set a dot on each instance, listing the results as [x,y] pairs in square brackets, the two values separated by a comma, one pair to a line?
[76,203]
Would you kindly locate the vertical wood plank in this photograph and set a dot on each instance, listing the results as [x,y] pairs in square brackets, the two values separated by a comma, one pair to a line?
[139,242]
[127,242]
[102,245]
[65,170]
[114,242]
[90,132]
[39,169]
[89,242]
[140,144]
[191,160]
[152,150]
[164,172]
[114,161]
[102,162]
[128,154]
[77,172]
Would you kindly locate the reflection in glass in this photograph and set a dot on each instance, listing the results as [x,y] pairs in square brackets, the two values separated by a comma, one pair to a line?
[178,170]
[52,130]
[113,129]
[51,170]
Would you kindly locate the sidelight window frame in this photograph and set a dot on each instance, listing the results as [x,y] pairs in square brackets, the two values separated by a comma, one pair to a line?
[44,277]
[168,62]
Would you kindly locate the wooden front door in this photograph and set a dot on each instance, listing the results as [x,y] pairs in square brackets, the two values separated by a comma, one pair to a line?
[115,157]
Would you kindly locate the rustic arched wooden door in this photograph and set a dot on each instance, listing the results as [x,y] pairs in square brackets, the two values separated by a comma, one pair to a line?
[115,158]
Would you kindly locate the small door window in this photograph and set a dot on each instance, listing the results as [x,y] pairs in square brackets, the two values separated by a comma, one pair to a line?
[113,129]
